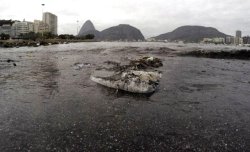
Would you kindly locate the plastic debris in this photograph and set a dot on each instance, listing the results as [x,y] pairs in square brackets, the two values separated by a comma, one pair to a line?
[137,77]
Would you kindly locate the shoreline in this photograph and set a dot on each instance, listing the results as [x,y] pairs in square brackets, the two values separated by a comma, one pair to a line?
[37,43]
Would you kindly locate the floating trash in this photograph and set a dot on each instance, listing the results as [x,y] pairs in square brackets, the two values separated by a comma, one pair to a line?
[137,77]
[79,66]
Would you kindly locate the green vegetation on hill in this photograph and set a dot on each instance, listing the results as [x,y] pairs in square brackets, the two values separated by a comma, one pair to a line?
[191,34]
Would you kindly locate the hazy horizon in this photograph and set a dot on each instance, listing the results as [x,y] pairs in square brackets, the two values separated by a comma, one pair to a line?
[151,17]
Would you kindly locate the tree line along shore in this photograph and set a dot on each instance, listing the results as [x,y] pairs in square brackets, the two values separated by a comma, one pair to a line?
[31,43]
[44,40]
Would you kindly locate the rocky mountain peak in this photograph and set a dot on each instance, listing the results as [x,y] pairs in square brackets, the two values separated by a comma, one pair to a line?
[87,27]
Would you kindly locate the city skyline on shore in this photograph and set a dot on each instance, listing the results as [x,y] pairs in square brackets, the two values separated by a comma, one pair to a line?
[151,17]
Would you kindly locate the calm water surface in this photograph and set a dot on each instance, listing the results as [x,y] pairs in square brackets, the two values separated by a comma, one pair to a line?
[47,103]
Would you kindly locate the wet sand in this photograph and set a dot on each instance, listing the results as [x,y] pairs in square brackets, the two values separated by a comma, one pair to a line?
[48,102]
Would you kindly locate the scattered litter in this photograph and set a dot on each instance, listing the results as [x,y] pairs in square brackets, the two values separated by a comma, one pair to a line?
[112,63]
[79,66]
[146,62]
[9,61]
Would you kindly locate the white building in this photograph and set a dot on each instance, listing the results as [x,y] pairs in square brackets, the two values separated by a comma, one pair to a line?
[51,20]
[40,27]
[229,40]
[23,27]
[216,40]
[152,39]
[238,38]
[219,40]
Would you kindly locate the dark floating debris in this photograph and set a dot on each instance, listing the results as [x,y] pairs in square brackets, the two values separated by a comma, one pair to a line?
[79,66]
[112,63]
[146,62]
[9,60]
[137,77]
[235,54]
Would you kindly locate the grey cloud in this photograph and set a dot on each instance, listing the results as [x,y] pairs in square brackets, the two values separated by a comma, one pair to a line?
[68,13]
[153,17]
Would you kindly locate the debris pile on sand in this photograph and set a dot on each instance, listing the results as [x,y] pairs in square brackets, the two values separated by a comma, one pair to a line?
[139,76]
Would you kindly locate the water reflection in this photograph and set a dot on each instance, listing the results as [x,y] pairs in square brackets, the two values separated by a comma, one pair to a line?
[47,74]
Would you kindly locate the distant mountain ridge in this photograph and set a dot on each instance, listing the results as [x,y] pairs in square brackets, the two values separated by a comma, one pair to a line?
[191,34]
[123,32]
[89,28]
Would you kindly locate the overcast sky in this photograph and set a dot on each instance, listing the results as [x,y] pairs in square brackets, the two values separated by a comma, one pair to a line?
[152,17]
